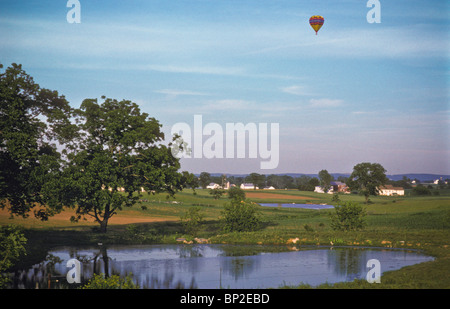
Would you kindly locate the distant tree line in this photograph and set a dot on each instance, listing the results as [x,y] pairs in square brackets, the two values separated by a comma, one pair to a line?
[366,179]
[303,182]
[280,182]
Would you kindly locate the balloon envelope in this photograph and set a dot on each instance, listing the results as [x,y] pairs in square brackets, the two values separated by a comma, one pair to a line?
[316,22]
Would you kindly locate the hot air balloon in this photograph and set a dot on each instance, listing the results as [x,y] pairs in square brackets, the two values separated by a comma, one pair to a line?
[316,22]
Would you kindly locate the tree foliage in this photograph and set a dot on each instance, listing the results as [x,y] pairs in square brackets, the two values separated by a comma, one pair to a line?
[114,282]
[236,193]
[117,153]
[192,220]
[421,190]
[257,180]
[189,180]
[307,183]
[349,216]
[240,216]
[367,178]
[12,246]
[33,121]
[325,180]
[216,192]
[204,179]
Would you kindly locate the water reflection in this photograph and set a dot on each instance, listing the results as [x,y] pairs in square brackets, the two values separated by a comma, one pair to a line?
[213,266]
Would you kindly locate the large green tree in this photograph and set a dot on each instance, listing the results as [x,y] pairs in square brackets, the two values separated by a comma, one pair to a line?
[118,152]
[367,178]
[325,180]
[33,121]
[204,179]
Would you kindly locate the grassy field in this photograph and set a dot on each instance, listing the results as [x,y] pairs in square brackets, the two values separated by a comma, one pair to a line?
[399,222]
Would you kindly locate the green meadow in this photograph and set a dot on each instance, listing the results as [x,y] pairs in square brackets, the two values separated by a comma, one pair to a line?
[420,223]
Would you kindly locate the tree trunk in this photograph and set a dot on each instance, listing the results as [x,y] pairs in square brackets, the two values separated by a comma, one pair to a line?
[104,222]
[103,225]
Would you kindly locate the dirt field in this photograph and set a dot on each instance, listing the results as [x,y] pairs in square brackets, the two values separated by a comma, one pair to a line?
[63,219]
[276,196]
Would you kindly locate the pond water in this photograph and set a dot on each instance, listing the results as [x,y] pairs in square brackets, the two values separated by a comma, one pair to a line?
[208,266]
[293,205]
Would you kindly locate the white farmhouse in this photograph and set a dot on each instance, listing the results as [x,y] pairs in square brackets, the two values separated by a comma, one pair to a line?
[390,190]
[212,185]
[269,188]
[248,186]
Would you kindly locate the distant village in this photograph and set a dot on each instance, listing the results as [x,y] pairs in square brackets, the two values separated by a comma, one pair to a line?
[338,187]
[335,187]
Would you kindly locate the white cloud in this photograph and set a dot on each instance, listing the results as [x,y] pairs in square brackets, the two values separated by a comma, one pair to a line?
[229,104]
[325,102]
[196,69]
[296,90]
[175,93]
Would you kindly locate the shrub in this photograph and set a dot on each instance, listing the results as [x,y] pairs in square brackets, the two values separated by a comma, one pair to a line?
[308,228]
[216,193]
[335,198]
[236,193]
[421,190]
[240,216]
[348,217]
[98,281]
[12,246]
[192,220]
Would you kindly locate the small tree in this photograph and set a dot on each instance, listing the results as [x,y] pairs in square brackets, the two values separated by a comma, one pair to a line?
[192,220]
[325,180]
[236,193]
[240,216]
[216,193]
[348,217]
[335,198]
[204,179]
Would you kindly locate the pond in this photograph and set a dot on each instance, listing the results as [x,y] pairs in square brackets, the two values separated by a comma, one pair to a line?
[293,205]
[207,266]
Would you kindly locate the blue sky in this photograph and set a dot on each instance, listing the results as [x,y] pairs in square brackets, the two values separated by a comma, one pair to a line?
[356,92]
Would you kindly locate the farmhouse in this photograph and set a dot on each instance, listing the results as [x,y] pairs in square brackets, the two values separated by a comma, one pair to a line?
[212,185]
[390,190]
[269,188]
[339,187]
[335,187]
[248,186]
[318,189]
